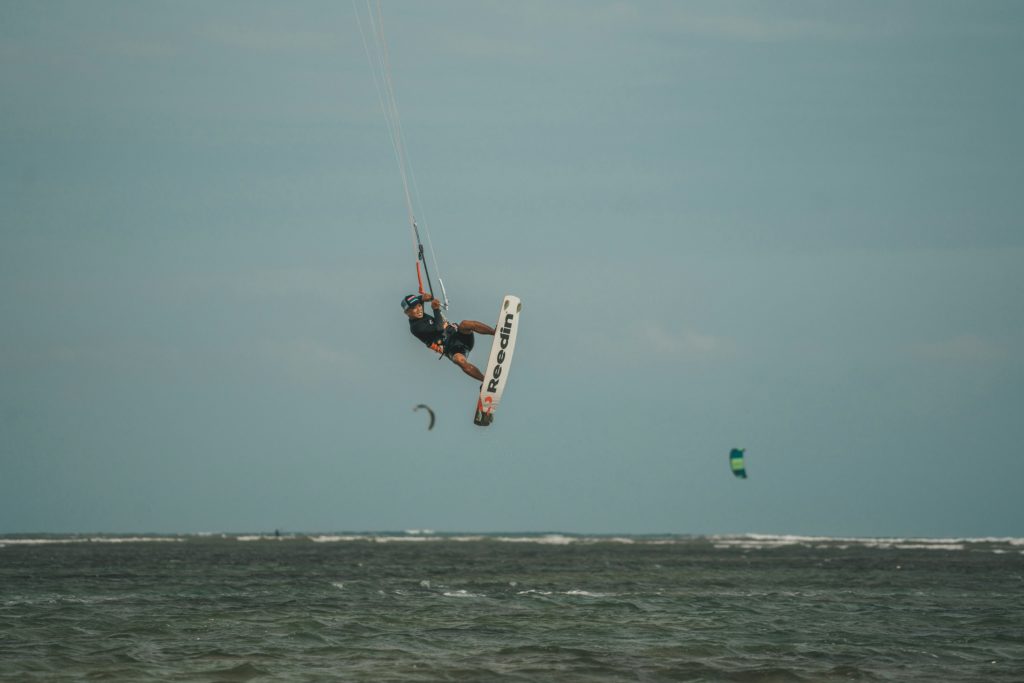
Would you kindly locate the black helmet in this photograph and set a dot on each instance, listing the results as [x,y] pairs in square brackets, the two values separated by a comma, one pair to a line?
[411,301]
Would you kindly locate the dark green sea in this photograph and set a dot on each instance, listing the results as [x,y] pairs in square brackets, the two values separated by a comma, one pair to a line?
[419,606]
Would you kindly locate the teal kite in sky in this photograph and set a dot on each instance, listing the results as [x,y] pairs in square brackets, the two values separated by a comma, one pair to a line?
[739,468]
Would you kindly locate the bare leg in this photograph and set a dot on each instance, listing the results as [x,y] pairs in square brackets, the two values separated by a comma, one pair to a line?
[467,367]
[475,326]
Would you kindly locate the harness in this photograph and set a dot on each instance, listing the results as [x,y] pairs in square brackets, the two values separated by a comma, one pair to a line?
[445,346]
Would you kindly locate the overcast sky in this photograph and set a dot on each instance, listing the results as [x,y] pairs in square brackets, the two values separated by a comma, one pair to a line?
[794,227]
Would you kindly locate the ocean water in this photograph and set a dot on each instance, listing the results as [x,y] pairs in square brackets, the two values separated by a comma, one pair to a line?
[419,606]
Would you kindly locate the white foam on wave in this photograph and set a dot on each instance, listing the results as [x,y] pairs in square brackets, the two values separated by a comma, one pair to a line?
[914,545]
[335,539]
[405,539]
[92,539]
[427,535]
[564,539]
[373,538]
[415,536]
[574,592]
[997,539]
[462,594]
[547,539]
[750,541]
[767,541]
[586,594]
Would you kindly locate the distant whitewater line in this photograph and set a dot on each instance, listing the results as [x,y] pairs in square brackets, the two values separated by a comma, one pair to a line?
[43,540]
[740,542]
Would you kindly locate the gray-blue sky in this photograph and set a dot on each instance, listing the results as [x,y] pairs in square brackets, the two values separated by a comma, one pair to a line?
[789,226]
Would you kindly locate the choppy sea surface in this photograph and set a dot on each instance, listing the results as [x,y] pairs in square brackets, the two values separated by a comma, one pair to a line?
[420,606]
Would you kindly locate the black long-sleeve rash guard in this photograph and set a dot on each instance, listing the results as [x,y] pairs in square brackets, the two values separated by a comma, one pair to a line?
[428,329]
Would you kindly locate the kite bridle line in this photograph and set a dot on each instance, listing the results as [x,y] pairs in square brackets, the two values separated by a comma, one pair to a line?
[380,69]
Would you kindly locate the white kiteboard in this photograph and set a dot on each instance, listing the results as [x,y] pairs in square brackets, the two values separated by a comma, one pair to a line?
[496,374]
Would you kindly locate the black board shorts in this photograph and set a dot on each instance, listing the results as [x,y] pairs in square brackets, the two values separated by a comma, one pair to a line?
[458,342]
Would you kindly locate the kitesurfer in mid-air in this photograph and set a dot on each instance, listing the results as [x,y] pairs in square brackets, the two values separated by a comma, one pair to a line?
[448,339]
